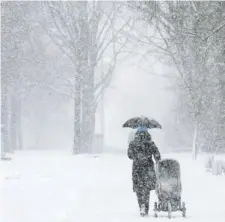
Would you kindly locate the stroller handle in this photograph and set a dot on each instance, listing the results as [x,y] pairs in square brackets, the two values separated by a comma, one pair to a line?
[157,175]
[156,167]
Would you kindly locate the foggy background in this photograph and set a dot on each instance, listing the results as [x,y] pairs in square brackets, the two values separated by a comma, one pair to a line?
[39,74]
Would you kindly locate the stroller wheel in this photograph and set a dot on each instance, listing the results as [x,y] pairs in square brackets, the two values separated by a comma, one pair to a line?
[169,209]
[155,206]
[183,209]
[155,209]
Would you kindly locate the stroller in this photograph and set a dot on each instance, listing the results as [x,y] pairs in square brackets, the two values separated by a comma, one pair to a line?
[168,188]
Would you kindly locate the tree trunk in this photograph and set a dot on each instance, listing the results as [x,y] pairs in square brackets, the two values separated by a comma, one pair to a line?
[5,137]
[88,115]
[87,73]
[19,126]
[87,131]
[194,145]
[88,125]
[77,115]
[12,123]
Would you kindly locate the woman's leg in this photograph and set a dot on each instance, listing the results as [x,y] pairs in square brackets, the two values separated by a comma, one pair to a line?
[139,194]
[143,201]
[146,200]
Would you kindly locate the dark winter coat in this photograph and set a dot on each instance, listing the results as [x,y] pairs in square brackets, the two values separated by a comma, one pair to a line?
[141,150]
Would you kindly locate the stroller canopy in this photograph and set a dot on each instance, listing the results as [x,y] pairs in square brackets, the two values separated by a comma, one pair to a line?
[169,168]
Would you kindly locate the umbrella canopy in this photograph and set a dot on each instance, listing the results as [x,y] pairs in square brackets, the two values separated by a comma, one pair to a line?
[142,121]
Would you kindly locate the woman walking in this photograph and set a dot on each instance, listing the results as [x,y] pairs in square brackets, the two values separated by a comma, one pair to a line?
[141,150]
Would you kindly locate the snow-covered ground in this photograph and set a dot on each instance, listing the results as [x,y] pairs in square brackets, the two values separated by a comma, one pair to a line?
[57,187]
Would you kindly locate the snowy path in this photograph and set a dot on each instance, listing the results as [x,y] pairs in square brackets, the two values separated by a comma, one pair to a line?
[51,187]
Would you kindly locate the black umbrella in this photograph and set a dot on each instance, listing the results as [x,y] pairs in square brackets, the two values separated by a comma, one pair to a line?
[142,121]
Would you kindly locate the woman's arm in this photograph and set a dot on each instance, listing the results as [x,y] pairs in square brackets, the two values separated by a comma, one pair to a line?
[130,151]
[155,152]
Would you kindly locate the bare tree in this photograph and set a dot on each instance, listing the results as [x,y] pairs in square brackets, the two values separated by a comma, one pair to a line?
[182,31]
[24,69]
[87,32]
[11,101]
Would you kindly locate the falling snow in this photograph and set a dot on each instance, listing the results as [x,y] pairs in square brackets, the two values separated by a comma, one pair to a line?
[84,82]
